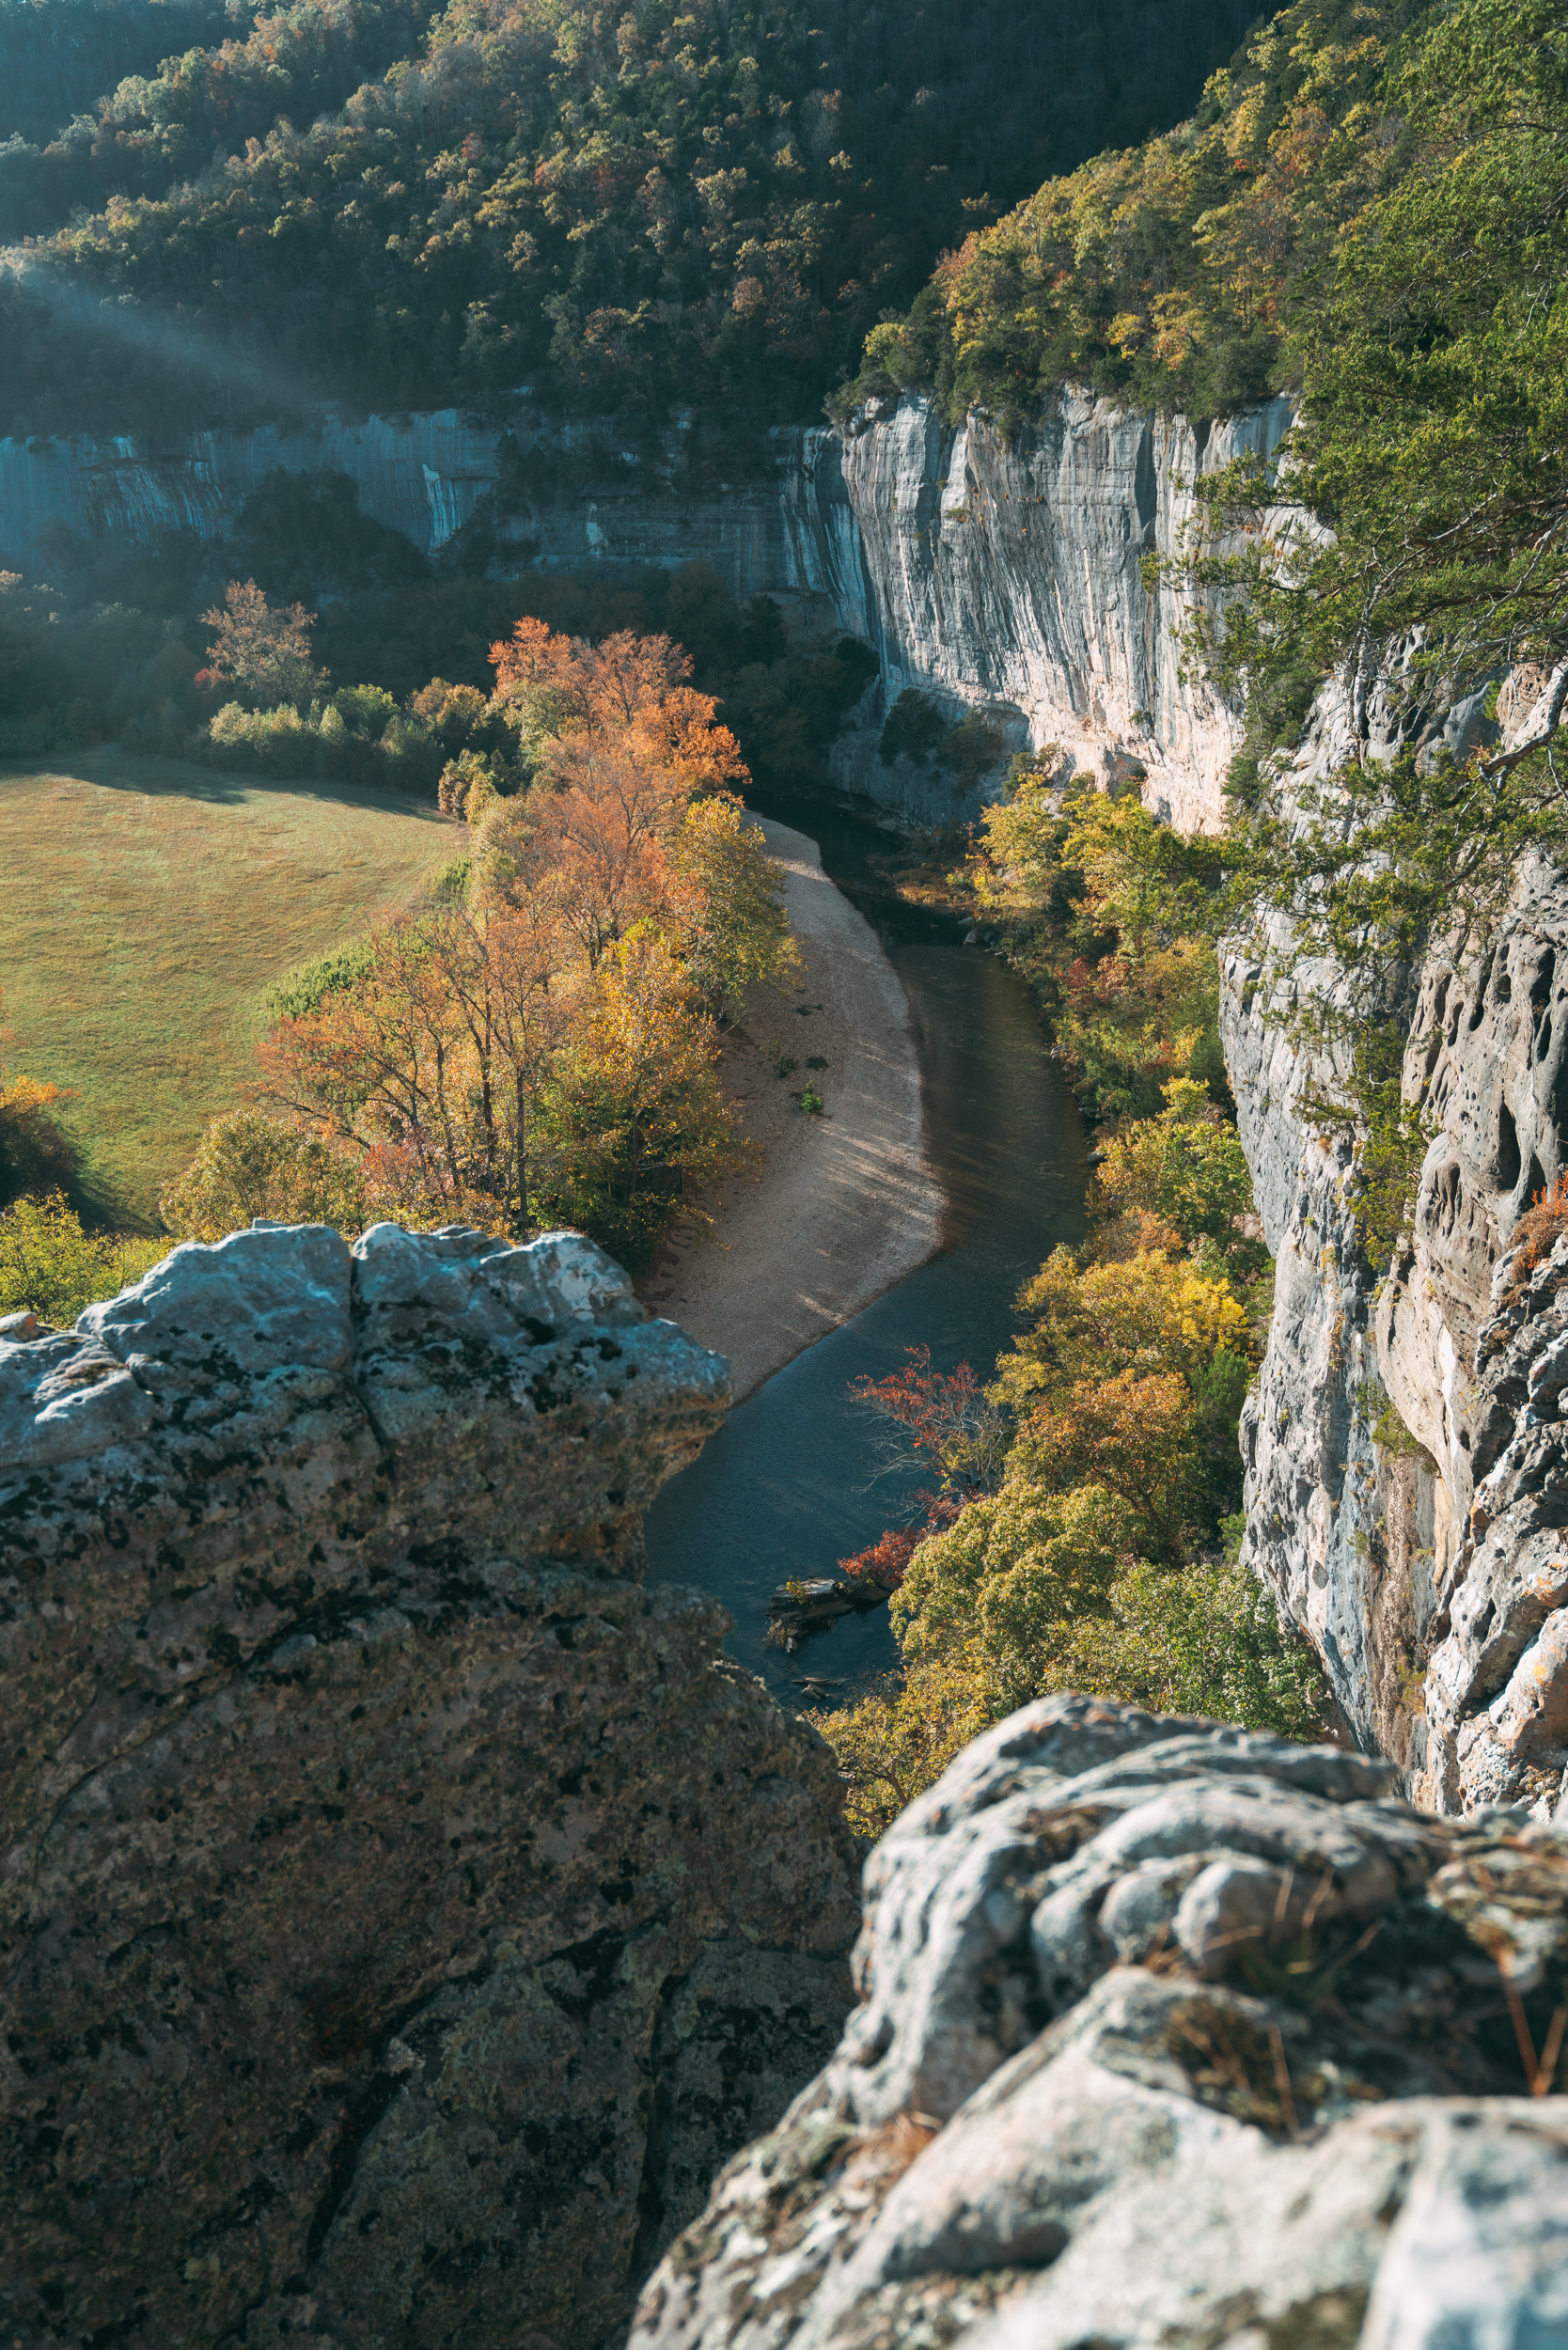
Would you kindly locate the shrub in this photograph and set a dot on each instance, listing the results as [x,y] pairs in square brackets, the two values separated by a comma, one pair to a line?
[35,1154]
[913,728]
[970,750]
[468,786]
[249,1166]
[52,1266]
[360,736]
[1203,1639]
[307,987]
[1185,1167]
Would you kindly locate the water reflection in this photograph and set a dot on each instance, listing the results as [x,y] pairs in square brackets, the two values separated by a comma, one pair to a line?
[791,1482]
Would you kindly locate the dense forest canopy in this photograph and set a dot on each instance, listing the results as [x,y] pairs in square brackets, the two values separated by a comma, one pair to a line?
[616,207]
[1173,274]
[60,55]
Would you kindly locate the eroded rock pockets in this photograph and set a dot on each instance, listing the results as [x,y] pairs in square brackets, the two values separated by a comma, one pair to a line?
[1167,2033]
[404,1911]
[1406,1445]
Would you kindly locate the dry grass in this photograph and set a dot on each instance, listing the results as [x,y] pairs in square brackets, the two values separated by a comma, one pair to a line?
[146,904]
[1536,1234]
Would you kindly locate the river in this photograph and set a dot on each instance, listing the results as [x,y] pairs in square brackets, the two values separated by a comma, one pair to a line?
[795,1481]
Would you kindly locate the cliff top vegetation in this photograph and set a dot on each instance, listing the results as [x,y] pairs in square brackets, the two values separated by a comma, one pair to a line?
[1173,274]
[617,208]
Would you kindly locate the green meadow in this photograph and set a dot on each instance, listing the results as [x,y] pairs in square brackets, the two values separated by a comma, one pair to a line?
[145,905]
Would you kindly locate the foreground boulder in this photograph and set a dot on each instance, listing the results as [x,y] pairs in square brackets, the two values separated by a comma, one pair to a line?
[403,1913]
[1167,2034]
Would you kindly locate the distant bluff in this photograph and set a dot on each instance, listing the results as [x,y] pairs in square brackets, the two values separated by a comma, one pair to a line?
[404,1912]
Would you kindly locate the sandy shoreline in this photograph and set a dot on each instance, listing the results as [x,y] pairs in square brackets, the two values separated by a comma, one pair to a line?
[827,1211]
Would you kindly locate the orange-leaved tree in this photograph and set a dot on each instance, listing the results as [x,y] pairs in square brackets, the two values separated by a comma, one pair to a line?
[425,1064]
[35,1154]
[619,746]
[262,649]
[547,1045]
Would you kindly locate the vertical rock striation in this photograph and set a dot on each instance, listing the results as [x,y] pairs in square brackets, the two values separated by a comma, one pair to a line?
[1007,575]
[998,575]
[1407,1461]
[403,1911]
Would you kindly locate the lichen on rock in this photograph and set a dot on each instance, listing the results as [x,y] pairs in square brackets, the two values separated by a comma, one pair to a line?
[404,1909]
[1167,2034]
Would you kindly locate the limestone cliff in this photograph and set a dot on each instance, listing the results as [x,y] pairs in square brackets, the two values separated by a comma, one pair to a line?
[1407,1470]
[1006,576]
[996,574]
[403,1911]
[1097,2090]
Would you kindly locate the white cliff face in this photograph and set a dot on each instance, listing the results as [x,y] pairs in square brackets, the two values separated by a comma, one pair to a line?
[1314,1489]
[1008,578]
[1407,1459]
[423,475]
[997,577]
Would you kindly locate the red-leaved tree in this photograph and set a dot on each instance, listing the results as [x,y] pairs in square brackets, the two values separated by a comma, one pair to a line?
[939,1422]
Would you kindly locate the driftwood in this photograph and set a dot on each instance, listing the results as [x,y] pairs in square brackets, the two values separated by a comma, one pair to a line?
[812,1603]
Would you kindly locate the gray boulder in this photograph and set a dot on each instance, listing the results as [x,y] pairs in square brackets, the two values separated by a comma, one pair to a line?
[403,1911]
[1167,2034]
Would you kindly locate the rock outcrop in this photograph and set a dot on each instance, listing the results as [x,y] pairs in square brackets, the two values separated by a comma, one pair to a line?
[1006,573]
[1167,2034]
[403,1911]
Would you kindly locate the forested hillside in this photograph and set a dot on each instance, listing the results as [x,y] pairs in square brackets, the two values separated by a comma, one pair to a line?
[59,55]
[1173,274]
[618,208]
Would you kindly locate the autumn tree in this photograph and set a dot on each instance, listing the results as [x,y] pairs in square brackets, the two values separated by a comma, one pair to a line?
[563,689]
[249,1165]
[1082,1490]
[516,1004]
[424,1063]
[635,1111]
[260,648]
[545,1045]
[600,829]
[621,748]
[35,1154]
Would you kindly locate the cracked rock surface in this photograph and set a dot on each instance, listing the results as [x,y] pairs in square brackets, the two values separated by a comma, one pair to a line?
[1167,2034]
[402,1911]
[1406,1443]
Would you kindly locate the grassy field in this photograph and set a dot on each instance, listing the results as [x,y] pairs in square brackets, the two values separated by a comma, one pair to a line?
[144,907]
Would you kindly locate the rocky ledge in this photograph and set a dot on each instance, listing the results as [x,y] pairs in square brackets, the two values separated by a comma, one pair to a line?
[403,1912]
[1167,2034]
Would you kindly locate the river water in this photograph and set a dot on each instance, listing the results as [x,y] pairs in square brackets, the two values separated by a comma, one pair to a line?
[795,1481]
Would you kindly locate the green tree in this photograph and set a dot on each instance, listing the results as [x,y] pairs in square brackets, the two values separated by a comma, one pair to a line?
[249,1165]
[52,1266]
[729,925]
[631,1112]
[1185,1167]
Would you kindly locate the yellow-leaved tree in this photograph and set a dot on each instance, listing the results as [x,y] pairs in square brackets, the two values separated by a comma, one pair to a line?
[543,1048]
[1098,1559]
